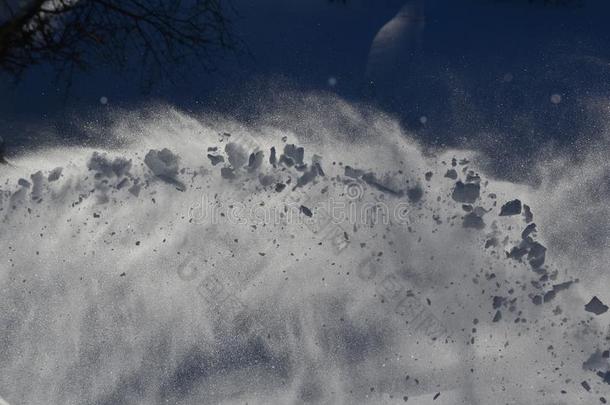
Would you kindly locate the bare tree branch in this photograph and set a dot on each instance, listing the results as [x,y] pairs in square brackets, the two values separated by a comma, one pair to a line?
[76,34]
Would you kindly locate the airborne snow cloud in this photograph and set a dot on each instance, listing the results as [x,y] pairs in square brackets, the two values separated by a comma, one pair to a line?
[212,261]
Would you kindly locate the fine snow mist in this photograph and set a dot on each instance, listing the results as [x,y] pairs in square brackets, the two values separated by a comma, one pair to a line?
[319,255]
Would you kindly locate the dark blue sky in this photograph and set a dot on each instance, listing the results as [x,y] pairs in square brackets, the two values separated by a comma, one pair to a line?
[472,68]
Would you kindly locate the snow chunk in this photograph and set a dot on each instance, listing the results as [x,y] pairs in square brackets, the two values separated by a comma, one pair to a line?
[472,220]
[236,154]
[104,167]
[511,208]
[451,174]
[214,159]
[23,183]
[353,173]
[415,193]
[596,306]
[54,175]
[163,164]
[466,193]
[37,181]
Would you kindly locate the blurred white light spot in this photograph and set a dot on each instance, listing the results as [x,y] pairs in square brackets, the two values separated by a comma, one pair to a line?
[332,81]
[104,100]
[507,78]
[556,98]
[423,119]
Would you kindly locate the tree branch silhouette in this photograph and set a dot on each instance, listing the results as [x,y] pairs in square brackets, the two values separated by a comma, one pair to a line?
[78,34]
